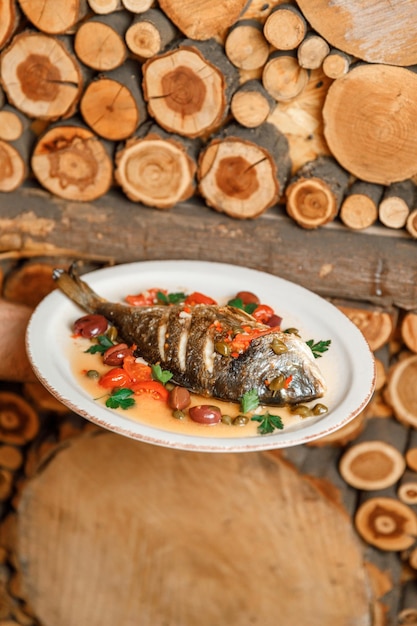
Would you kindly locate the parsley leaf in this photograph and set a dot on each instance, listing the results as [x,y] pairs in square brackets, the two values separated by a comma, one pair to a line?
[249,401]
[120,398]
[103,343]
[162,376]
[238,304]
[170,298]
[319,347]
[268,423]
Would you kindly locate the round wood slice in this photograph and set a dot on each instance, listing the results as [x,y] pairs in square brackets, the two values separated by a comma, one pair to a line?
[336,64]
[246,46]
[103,7]
[411,224]
[408,329]
[9,19]
[54,16]
[407,489]
[149,33]
[369,122]
[401,391]
[376,326]
[312,51]
[283,77]
[172,537]
[386,523]
[13,168]
[285,27]
[19,422]
[99,42]
[377,32]
[372,465]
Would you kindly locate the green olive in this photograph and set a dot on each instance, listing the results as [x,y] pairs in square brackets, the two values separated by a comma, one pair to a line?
[292,331]
[319,409]
[302,410]
[277,383]
[278,346]
[222,348]
[240,420]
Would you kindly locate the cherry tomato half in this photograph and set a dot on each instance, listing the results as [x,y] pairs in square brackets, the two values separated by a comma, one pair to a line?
[151,388]
[198,298]
[137,372]
[116,377]
[262,313]
[145,298]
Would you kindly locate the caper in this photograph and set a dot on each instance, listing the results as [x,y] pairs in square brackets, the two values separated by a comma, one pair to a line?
[169,385]
[240,420]
[278,346]
[222,348]
[112,333]
[277,383]
[292,331]
[179,415]
[93,374]
[302,410]
[319,409]
[226,419]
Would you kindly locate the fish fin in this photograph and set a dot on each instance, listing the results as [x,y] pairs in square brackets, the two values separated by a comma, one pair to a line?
[76,289]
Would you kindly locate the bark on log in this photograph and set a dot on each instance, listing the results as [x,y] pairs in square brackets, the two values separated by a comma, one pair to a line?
[158,168]
[384,32]
[285,27]
[337,63]
[314,194]
[149,33]
[359,208]
[376,326]
[100,41]
[246,46]
[312,51]
[408,329]
[397,203]
[9,20]
[401,391]
[113,105]
[411,224]
[41,78]
[188,90]
[103,7]
[283,77]
[74,512]
[386,523]
[54,17]
[72,163]
[380,152]
[251,104]
[19,423]
[243,171]
[200,20]
[137,6]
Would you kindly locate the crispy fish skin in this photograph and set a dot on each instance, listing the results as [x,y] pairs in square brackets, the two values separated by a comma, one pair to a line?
[182,340]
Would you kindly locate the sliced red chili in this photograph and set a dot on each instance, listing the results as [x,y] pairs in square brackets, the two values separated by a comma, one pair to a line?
[145,298]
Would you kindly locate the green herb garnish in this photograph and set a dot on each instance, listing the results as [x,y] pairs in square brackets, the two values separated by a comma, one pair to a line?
[238,304]
[162,376]
[249,401]
[170,298]
[103,344]
[120,398]
[319,347]
[268,423]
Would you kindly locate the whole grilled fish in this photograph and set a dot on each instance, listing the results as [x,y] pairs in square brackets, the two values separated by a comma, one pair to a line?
[196,345]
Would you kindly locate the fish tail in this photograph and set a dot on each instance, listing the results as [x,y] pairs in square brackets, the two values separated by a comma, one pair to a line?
[76,289]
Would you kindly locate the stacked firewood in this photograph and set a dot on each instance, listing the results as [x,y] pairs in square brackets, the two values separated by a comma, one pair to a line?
[367,469]
[245,105]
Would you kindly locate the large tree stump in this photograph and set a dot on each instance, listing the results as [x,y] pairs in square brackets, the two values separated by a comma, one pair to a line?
[185,538]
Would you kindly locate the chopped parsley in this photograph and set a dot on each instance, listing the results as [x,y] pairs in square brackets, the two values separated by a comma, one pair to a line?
[268,423]
[120,398]
[170,298]
[319,347]
[238,304]
[103,344]
[162,376]
[249,401]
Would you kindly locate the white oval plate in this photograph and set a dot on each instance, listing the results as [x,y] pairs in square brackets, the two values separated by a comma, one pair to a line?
[348,366]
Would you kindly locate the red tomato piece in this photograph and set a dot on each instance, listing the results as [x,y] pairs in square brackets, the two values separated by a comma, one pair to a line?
[263,313]
[145,298]
[152,388]
[116,377]
[198,298]
[137,372]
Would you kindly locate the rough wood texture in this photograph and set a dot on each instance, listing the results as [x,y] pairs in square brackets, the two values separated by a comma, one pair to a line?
[379,272]
[84,502]
[54,16]
[360,205]
[149,33]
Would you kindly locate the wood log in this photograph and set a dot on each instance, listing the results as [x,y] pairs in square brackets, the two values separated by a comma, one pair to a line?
[376,326]
[113,105]
[54,16]
[337,63]
[314,194]
[11,457]
[396,204]
[202,21]
[30,282]
[407,488]
[72,163]
[137,6]
[9,21]
[386,523]
[149,33]
[375,92]
[312,51]
[243,172]
[13,167]
[408,329]
[157,168]
[283,77]
[251,104]
[188,89]
[73,511]
[103,7]
[411,454]
[13,123]
[285,27]
[6,484]
[19,422]
[401,390]
[372,33]
[408,613]
[246,46]
[342,436]
[359,208]
[40,77]
[99,42]
[411,224]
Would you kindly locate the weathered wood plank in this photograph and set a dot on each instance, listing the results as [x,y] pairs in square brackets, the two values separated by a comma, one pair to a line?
[378,266]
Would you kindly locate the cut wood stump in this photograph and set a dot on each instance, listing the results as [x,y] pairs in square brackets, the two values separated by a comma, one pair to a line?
[54,16]
[401,390]
[372,465]
[246,46]
[408,329]
[396,204]
[283,77]
[149,33]
[312,51]
[376,326]
[285,27]
[411,224]
[103,7]
[314,194]
[19,422]
[374,138]
[407,488]
[158,169]
[359,208]
[137,6]
[70,162]
[13,123]
[29,283]
[386,523]
[107,510]
[40,76]
[9,20]
[243,171]
[337,63]
[99,42]
[188,90]
[251,104]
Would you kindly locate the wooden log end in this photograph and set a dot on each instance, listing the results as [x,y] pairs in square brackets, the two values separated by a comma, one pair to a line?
[401,390]
[386,523]
[372,465]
